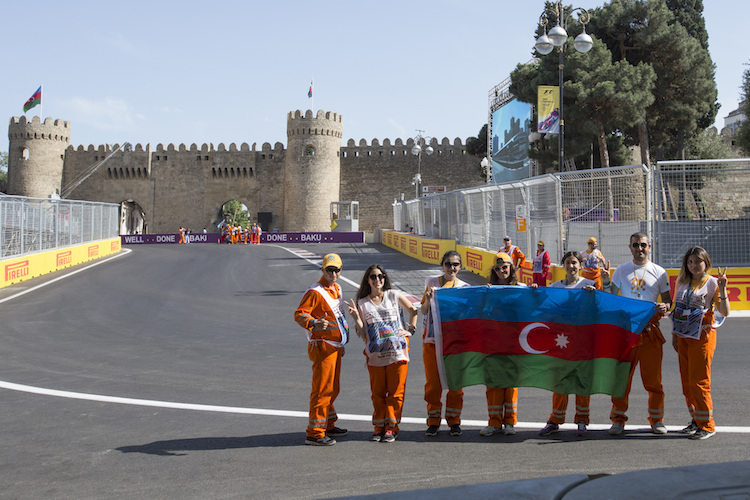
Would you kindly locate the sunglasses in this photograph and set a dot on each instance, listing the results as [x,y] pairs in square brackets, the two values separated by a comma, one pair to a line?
[333,270]
[642,245]
[452,264]
[501,268]
[374,277]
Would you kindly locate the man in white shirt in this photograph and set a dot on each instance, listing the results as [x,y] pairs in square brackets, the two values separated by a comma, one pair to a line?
[641,279]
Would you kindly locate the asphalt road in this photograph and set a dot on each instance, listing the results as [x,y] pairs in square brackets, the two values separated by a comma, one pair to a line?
[178,372]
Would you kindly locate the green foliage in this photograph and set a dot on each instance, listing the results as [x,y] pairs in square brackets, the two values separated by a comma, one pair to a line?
[236,213]
[477,146]
[743,135]
[3,172]
[707,145]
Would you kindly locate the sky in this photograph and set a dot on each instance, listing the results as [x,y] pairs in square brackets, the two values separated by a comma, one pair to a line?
[158,72]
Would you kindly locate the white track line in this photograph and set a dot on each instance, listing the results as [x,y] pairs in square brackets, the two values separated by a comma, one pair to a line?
[276,413]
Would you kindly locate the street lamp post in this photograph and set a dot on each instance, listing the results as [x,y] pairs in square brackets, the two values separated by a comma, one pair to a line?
[417,151]
[558,38]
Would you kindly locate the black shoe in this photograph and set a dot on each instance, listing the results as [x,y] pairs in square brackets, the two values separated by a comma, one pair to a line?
[702,434]
[690,429]
[336,432]
[455,430]
[324,441]
[432,430]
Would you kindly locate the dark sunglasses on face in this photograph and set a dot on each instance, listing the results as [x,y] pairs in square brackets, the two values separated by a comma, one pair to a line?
[452,264]
[374,277]
[501,268]
[642,245]
[333,270]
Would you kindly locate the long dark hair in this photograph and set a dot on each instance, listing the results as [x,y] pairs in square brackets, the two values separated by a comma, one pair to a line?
[685,276]
[572,253]
[512,279]
[365,288]
[447,255]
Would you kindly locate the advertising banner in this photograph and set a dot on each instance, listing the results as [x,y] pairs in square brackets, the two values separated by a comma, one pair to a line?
[421,248]
[152,239]
[548,106]
[37,264]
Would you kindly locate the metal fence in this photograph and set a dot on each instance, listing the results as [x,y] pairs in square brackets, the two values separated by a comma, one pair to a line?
[678,204]
[29,225]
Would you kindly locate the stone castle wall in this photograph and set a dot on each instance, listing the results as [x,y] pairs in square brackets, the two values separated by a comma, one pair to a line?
[187,186]
[35,160]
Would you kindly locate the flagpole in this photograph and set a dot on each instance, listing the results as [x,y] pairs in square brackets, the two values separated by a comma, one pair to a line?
[41,103]
[313,96]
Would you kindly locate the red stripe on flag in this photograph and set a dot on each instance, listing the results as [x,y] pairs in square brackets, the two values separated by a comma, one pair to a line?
[568,342]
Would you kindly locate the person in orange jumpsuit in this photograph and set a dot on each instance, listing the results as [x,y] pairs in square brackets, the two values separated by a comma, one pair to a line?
[701,303]
[182,236]
[515,253]
[379,323]
[433,389]
[321,314]
[259,231]
[593,261]
[571,262]
[247,235]
[641,279]
[502,402]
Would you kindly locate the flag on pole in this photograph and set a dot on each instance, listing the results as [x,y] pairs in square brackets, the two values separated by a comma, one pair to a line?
[309,92]
[566,341]
[34,100]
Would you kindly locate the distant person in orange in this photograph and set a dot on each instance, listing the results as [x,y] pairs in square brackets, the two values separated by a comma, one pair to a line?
[515,253]
[321,314]
[593,262]
[248,235]
[542,262]
[182,236]
[259,231]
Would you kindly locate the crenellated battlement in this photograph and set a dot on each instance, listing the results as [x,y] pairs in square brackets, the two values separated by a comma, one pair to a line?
[54,130]
[323,124]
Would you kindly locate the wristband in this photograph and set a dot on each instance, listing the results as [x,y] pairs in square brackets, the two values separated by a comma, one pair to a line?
[411,329]
[723,298]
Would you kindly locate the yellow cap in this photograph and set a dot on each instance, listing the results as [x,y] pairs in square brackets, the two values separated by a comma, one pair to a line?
[503,257]
[331,260]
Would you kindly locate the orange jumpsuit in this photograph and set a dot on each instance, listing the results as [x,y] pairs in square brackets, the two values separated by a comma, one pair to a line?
[695,356]
[182,236]
[257,235]
[591,267]
[648,353]
[516,254]
[502,406]
[325,349]
[433,390]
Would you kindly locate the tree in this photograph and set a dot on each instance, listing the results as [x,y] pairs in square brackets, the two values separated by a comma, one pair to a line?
[236,213]
[3,172]
[743,135]
[641,31]
[477,146]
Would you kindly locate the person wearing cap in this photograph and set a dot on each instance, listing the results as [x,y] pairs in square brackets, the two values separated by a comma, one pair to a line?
[321,313]
[542,262]
[593,262]
[516,254]
[502,402]
[433,389]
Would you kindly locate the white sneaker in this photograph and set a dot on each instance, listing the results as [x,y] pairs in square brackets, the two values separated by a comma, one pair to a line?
[616,429]
[509,430]
[659,428]
[490,430]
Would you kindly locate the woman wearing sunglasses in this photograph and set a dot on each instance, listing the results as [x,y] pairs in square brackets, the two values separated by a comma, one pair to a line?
[502,403]
[433,390]
[378,321]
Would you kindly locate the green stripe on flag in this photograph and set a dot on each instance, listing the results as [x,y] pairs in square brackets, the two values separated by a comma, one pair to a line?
[595,376]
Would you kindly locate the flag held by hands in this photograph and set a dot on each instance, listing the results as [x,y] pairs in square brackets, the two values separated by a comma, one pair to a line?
[566,341]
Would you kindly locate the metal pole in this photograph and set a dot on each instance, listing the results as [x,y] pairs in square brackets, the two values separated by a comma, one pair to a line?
[561,145]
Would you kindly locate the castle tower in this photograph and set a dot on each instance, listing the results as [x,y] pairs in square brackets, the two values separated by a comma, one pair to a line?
[36,156]
[312,169]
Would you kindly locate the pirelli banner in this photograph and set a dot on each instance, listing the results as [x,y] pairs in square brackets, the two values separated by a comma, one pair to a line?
[421,248]
[36,264]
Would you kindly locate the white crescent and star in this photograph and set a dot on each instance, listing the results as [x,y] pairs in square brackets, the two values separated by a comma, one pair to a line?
[561,340]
